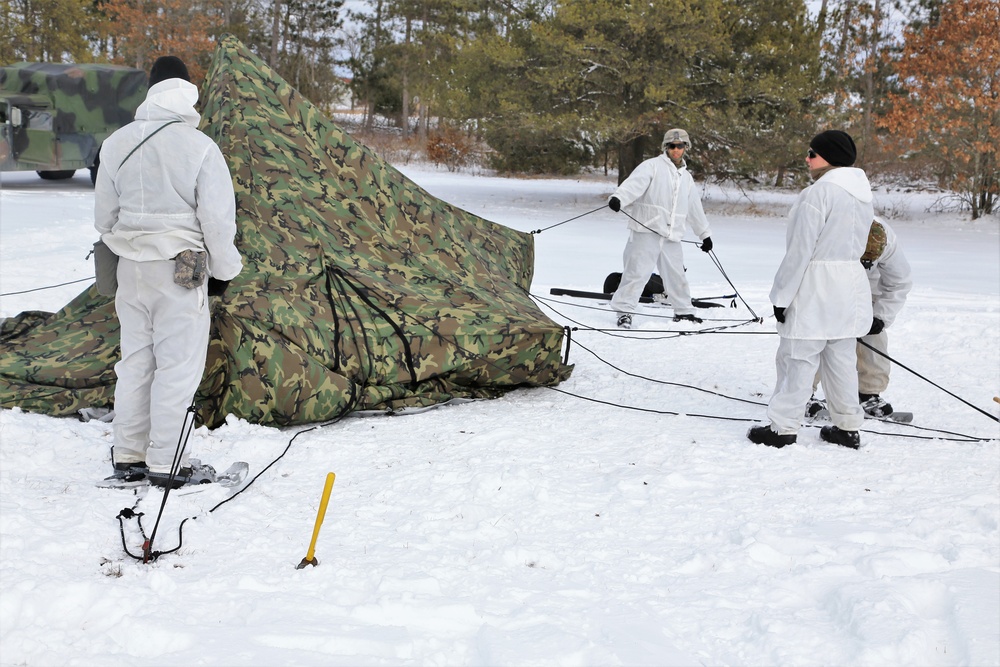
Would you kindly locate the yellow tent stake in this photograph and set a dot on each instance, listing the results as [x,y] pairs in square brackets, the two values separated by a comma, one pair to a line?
[310,555]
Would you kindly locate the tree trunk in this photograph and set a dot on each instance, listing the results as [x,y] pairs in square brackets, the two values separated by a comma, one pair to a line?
[423,121]
[821,19]
[275,30]
[630,154]
[839,64]
[405,111]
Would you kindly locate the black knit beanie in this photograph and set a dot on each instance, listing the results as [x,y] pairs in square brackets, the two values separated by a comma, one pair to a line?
[168,67]
[836,147]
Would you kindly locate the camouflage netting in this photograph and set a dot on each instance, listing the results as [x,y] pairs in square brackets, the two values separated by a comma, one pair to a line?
[359,290]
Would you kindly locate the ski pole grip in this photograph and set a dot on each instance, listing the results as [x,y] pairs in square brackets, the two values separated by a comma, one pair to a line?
[321,514]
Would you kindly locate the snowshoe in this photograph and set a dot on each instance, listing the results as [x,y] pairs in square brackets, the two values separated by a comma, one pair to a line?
[874,405]
[198,474]
[126,476]
[624,321]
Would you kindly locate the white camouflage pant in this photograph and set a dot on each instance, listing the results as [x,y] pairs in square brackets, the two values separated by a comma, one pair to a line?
[796,362]
[873,368]
[644,252]
[164,343]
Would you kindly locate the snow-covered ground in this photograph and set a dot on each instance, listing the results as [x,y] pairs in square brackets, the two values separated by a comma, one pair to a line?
[541,528]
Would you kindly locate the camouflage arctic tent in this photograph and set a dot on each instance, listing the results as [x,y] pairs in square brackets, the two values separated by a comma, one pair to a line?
[359,290]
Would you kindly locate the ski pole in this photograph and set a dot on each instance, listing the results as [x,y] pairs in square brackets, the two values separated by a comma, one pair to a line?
[310,558]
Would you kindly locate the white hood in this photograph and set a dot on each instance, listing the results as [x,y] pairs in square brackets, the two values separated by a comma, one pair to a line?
[169,100]
[854,180]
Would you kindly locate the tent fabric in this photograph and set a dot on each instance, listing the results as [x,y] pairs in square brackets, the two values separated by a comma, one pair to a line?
[360,291]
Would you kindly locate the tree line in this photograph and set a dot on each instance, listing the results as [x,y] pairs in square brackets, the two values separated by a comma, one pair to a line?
[554,86]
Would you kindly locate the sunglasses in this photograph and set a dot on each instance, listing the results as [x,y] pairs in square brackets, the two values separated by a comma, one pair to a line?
[674,147]
[812,154]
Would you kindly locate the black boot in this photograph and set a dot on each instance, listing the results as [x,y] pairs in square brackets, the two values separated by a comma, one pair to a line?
[763,435]
[840,437]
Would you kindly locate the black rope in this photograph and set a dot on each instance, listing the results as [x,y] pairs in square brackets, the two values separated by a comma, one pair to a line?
[349,303]
[577,217]
[963,436]
[403,342]
[473,355]
[667,382]
[40,289]
[328,275]
[129,513]
[718,264]
[715,260]
[711,253]
[616,333]
[880,352]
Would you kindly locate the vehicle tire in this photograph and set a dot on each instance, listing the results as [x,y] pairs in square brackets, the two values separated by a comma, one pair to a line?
[56,175]
[95,167]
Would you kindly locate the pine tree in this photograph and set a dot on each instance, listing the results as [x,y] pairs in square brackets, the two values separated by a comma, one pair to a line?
[44,31]
[759,94]
[139,31]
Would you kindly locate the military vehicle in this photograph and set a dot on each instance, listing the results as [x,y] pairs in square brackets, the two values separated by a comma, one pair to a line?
[54,117]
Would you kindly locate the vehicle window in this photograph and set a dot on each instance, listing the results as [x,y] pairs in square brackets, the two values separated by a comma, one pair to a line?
[39,120]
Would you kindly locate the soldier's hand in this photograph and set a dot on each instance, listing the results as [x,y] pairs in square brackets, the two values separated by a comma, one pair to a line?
[779,314]
[877,326]
[706,245]
[217,287]
[615,204]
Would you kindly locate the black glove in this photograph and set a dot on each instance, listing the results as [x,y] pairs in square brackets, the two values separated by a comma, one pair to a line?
[779,314]
[615,204]
[706,245]
[877,326]
[217,287]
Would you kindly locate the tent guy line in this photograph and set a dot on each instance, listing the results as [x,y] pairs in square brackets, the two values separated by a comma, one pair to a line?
[616,333]
[964,437]
[959,437]
[40,289]
[711,253]
[905,367]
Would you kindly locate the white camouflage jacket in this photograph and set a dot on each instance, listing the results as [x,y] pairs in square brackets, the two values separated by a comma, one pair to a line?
[174,193]
[820,281]
[664,199]
[889,279]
